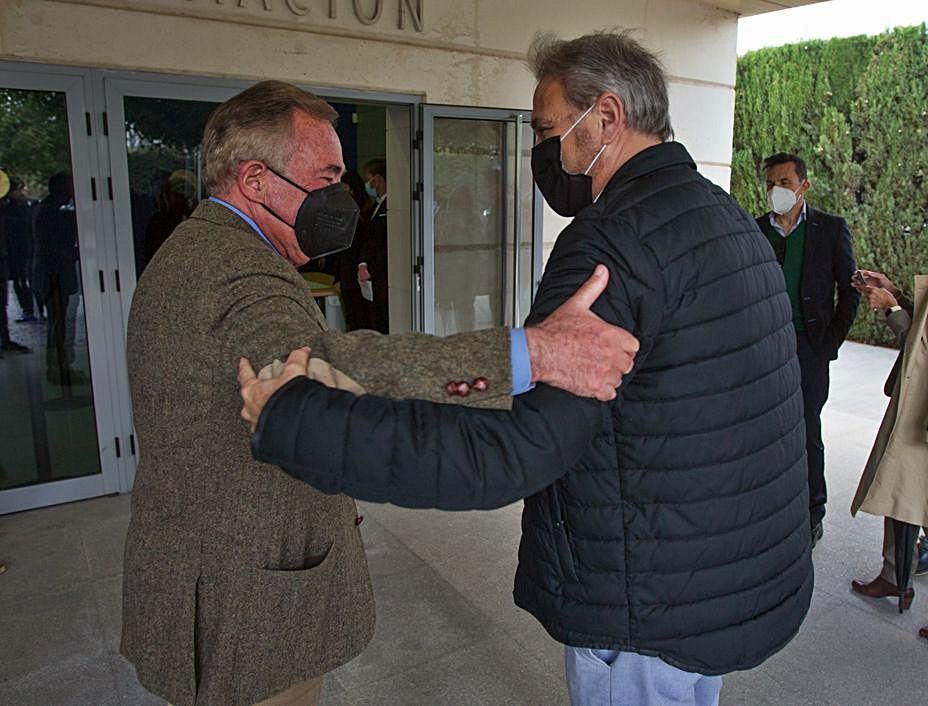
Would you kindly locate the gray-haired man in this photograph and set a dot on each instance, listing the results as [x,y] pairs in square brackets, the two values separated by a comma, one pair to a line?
[676,548]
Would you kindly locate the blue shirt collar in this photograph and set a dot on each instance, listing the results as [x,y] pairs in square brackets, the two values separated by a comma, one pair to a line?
[248,219]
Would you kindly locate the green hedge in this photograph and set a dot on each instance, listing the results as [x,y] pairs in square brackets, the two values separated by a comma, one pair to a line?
[856,109]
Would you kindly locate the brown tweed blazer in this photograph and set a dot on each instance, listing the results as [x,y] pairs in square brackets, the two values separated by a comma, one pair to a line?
[240,581]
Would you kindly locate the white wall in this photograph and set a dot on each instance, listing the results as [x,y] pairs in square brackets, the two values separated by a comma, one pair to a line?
[470,52]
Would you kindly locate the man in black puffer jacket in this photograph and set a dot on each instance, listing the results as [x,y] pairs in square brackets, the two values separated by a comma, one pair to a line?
[676,548]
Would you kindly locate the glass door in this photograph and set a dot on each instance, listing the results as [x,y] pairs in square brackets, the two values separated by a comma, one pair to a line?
[481,247]
[154,135]
[56,439]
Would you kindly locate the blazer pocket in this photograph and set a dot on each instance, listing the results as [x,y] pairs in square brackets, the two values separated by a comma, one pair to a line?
[284,621]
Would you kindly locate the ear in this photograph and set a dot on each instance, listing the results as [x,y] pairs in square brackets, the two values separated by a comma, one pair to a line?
[251,180]
[612,116]
[805,186]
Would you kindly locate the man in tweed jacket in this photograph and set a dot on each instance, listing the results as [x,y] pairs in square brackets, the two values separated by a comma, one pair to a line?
[240,583]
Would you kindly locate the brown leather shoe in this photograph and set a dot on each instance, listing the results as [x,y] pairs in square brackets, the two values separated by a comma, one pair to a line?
[881,588]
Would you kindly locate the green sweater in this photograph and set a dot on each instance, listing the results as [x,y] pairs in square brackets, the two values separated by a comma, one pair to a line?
[789,251]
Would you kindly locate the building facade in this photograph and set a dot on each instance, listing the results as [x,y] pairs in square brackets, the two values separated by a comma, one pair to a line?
[110,96]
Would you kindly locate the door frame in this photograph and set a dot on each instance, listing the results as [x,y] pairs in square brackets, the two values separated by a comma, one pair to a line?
[425,254]
[95,256]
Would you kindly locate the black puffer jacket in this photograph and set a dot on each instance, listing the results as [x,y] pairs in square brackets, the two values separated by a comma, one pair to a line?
[682,530]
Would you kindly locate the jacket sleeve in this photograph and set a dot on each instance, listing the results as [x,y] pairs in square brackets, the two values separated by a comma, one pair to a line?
[423,455]
[420,366]
[899,322]
[848,297]
[268,315]
[634,298]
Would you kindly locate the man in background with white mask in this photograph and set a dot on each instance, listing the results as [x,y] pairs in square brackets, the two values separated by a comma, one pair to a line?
[814,249]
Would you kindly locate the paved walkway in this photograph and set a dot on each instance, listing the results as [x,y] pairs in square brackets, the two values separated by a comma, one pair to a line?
[447,631]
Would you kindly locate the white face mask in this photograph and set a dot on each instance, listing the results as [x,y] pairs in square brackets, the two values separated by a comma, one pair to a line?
[781,200]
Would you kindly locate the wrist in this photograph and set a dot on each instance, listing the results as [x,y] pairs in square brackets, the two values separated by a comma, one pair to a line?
[535,342]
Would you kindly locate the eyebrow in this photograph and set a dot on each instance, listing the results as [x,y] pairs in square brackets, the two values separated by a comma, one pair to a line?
[539,124]
[336,169]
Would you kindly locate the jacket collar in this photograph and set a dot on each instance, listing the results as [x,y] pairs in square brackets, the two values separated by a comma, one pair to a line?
[811,216]
[651,159]
[216,213]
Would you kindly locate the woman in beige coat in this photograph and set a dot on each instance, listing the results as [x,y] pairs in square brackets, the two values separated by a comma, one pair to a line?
[894,483]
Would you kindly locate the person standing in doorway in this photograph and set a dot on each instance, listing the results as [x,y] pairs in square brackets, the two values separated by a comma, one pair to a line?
[12,220]
[16,225]
[56,277]
[354,306]
[373,266]
[814,249]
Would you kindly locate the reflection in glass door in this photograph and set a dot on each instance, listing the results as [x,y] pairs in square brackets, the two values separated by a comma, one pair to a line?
[478,182]
[163,156]
[49,442]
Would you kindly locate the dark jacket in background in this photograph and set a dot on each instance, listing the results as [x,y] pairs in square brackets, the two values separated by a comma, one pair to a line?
[374,253]
[346,274]
[829,302]
[681,530]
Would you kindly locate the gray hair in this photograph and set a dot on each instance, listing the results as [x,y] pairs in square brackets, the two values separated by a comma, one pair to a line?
[593,64]
[255,124]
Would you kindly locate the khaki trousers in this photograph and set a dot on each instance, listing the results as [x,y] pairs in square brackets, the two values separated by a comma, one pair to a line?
[303,694]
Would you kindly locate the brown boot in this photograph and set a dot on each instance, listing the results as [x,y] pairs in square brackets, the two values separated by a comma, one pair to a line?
[881,588]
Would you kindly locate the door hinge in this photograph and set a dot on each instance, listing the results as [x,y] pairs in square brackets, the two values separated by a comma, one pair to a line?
[106,124]
[89,124]
[102,283]
[93,188]
[118,448]
[118,285]
[132,444]
[109,187]
[417,140]
[420,263]
[417,192]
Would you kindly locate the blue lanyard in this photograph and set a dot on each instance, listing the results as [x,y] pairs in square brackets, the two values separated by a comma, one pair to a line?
[248,220]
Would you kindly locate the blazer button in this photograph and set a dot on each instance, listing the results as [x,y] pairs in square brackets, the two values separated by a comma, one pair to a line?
[463,389]
[452,389]
[358,520]
[481,384]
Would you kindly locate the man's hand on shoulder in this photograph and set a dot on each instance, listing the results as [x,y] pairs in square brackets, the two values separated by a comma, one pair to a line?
[576,350]
[255,393]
